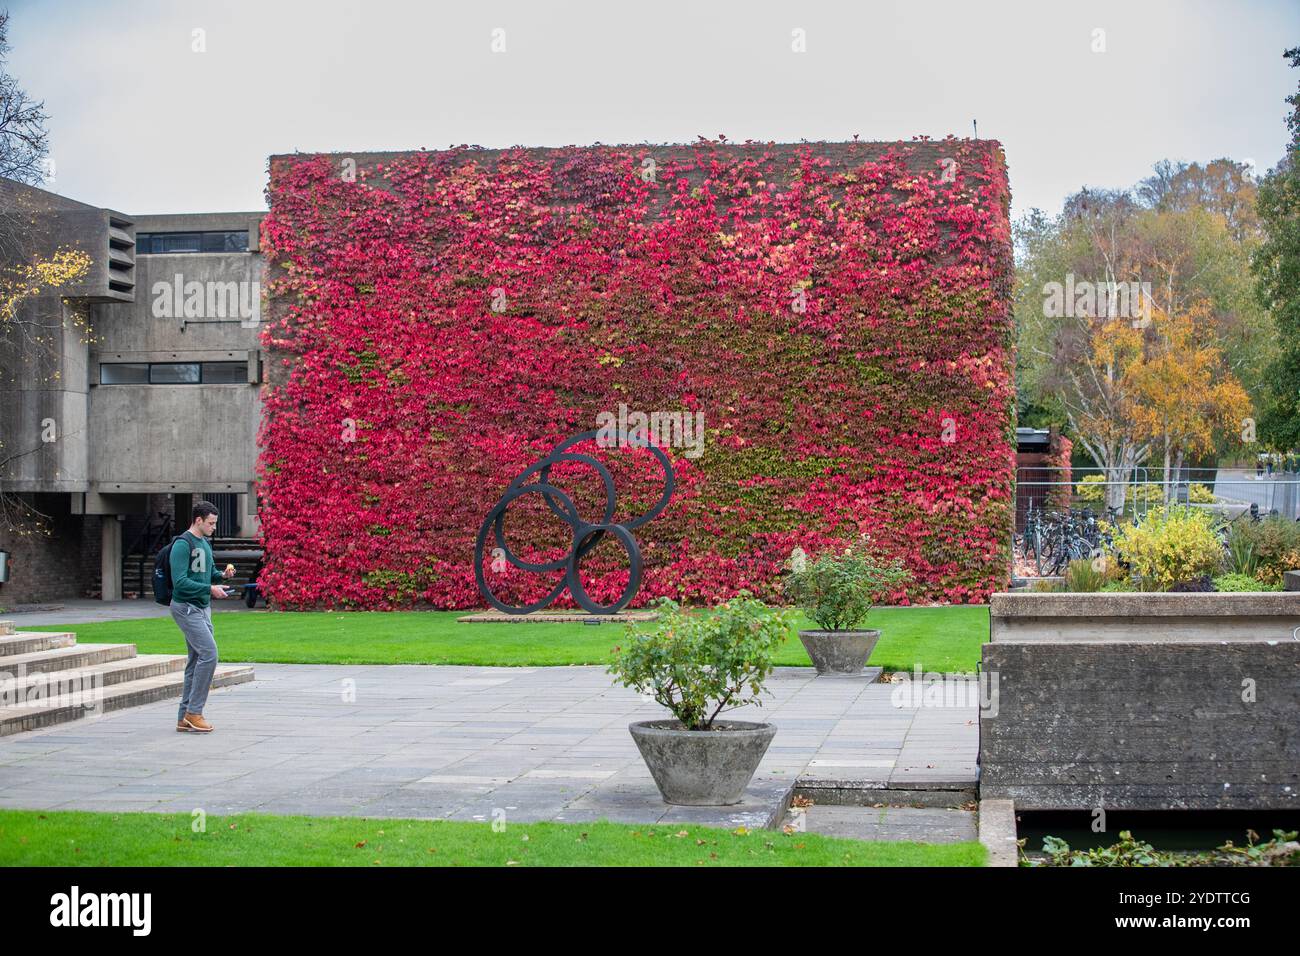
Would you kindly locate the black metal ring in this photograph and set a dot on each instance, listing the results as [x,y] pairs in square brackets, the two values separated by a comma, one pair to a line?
[585,535]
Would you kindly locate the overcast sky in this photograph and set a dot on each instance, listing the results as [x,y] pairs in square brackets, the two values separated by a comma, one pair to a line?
[141,122]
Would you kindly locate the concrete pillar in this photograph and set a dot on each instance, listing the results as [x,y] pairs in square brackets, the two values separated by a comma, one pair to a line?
[110,558]
[249,526]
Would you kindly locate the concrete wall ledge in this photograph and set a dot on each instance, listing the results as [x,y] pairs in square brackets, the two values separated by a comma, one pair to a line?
[1160,604]
[1144,618]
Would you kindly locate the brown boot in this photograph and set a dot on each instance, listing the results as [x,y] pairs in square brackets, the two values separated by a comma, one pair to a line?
[196,723]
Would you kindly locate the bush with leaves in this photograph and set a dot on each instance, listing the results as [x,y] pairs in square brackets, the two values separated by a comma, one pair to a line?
[1171,544]
[1282,850]
[838,590]
[1265,549]
[1090,488]
[1086,575]
[699,664]
[1234,582]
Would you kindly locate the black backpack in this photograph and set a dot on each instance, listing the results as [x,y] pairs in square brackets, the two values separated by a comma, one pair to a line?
[162,573]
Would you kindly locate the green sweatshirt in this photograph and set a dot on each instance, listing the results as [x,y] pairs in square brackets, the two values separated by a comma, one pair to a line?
[193,570]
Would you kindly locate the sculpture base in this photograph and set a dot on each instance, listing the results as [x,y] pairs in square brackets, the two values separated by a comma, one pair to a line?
[559,617]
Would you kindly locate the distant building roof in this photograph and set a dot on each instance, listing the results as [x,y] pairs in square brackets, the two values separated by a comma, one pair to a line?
[1034,439]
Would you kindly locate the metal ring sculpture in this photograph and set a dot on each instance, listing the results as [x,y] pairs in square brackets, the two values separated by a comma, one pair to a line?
[585,535]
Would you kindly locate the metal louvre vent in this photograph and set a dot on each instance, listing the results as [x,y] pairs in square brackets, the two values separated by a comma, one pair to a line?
[121,254]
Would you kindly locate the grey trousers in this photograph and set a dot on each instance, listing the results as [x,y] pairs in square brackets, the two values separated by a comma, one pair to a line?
[196,624]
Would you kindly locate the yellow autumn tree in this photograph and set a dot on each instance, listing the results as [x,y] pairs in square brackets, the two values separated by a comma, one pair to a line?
[1185,396]
[42,276]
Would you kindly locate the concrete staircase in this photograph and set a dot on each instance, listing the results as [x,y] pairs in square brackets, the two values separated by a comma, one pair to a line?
[47,678]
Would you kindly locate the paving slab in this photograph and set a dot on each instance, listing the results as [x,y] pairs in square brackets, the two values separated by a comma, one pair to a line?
[450,742]
[918,824]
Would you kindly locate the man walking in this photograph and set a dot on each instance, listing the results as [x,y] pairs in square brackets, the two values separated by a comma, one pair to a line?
[192,591]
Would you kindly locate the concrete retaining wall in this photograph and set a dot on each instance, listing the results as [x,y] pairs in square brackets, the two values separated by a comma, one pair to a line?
[1200,716]
[1141,618]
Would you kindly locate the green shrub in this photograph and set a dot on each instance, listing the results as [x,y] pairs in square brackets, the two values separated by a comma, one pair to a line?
[1240,582]
[1264,549]
[1241,554]
[1199,494]
[1281,850]
[837,590]
[699,664]
[1118,587]
[1086,575]
[1171,544]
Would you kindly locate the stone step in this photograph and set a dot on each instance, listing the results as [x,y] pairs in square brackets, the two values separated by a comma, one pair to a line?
[920,825]
[103,675]
[30,642]
[17,718]
[72,657]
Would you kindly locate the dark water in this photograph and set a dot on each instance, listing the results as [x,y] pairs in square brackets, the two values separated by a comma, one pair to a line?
[1163,829]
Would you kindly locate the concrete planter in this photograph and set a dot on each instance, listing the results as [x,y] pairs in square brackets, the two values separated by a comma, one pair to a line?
[1142,701]
[1157,616]
[839,652]
[702,768]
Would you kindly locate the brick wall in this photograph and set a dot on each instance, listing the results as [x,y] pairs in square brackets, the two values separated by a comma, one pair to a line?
[49,567]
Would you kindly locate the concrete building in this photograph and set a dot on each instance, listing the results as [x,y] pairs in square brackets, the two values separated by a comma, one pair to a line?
[127,395]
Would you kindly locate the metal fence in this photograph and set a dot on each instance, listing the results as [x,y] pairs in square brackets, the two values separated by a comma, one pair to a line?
[1235,490]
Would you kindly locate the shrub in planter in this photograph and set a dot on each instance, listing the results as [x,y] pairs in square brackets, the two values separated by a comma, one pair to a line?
[1196,585]
[837,591]
[1240,582]
[1046,587]
[1086,575]
[699,665]
[1172,544]
[1241,558]
[1273,544]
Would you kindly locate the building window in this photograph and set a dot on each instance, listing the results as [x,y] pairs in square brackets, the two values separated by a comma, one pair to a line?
[173,243]
[173,373]
[224,373]
[124,373]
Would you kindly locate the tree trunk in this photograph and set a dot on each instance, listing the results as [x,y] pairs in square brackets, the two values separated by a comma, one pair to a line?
[1166,488]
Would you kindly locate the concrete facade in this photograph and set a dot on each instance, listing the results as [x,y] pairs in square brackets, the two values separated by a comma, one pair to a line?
[105,459]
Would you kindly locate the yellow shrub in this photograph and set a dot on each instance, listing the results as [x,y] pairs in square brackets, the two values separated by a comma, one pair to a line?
[1090,488]
[1198,494]
[1270,572]
[1170,545]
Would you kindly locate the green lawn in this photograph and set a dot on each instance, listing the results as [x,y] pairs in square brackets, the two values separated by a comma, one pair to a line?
[943,639]
[75,838]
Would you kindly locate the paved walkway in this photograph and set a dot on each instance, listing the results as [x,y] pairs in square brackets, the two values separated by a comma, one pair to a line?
[464,743]
[91,611]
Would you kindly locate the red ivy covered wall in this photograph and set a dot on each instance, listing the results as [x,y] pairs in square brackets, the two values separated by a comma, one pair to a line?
[839,313]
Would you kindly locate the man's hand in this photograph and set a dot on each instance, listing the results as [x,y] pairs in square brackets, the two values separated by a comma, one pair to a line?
[217,591]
